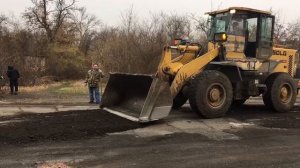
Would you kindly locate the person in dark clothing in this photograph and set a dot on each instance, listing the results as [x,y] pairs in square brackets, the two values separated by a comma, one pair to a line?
[13,75]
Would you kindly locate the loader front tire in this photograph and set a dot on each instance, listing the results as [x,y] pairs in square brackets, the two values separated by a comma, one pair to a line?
[281,93]
[179,100]
[211,94]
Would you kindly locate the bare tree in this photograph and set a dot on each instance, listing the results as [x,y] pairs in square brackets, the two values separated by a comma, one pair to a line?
[49,15]
[129,19]
[293,35]
[86,25]
[177,26]
[84,22]
[2,18]
[202,25]
[280,28]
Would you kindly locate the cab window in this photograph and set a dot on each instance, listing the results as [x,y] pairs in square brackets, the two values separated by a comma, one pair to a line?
[265,41]
[252,29]
[219,25]
[236,27]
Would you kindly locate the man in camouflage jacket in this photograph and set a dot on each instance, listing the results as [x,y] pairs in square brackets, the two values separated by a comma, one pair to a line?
[93,79]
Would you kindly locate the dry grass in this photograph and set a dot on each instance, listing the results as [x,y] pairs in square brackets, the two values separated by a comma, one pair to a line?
[44,87]
[53,165]
[66,87]
[73,87]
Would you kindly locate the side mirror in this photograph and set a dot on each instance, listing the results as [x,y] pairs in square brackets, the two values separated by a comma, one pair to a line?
[220,37]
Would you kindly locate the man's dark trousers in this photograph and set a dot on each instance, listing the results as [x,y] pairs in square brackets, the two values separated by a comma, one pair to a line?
[94,94]
[13,83]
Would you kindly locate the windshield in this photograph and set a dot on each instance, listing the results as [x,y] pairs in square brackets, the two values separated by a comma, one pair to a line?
[219,24]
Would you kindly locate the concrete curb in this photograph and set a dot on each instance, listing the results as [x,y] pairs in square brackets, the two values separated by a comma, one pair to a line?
[12,110]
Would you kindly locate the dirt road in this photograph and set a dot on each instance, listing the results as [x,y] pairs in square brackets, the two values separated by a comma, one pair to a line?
[250,136]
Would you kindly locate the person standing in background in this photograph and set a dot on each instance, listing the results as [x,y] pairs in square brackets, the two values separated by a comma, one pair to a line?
[93,79]
[13,75]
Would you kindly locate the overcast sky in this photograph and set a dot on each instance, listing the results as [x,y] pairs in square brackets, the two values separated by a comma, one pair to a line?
[109,11]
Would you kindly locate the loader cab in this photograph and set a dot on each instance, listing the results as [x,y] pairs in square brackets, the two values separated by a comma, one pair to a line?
[249,32]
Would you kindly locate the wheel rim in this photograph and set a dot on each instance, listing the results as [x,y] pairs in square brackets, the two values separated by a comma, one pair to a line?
[285,93]
[216,95]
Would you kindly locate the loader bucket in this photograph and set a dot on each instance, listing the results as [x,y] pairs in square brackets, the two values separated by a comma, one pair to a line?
[140,98]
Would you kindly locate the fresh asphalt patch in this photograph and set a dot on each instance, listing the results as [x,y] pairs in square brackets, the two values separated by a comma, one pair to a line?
[249,136]
[75,125]
[60,126]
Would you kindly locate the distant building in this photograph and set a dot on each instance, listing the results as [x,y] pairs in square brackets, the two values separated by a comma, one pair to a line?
[35,63]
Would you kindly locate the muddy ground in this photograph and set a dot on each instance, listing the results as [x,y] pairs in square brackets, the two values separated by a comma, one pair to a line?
[250,136]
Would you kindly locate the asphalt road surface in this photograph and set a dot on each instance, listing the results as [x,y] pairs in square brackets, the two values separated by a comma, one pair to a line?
[250,136]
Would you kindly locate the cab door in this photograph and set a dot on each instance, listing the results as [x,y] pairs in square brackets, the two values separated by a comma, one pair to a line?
[266,26]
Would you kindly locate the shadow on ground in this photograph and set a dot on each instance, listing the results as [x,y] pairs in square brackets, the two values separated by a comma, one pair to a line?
[261,115]
[257,114]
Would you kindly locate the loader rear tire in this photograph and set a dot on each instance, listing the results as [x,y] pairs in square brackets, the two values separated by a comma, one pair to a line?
[179,101]
[211,94]
[281,93]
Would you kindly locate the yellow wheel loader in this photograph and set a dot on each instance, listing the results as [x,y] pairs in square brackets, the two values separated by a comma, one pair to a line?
[241,62]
